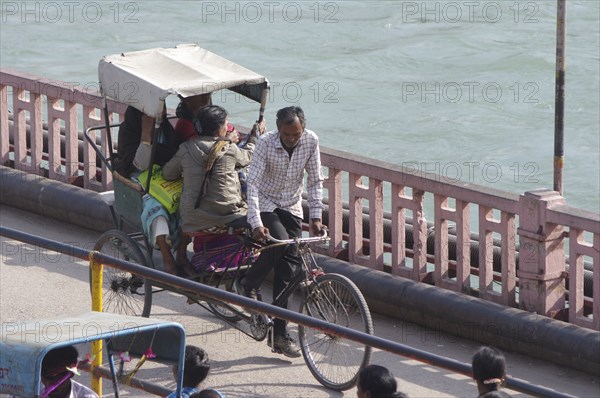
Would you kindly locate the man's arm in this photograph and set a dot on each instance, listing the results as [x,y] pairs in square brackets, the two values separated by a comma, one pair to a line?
[255,173]
[315,190]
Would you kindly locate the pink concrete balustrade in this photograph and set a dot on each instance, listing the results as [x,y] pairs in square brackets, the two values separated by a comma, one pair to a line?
[534,227]
[60,111]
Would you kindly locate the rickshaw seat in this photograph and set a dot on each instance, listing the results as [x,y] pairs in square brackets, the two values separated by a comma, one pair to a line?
[108,197]
[217,249]
[128,200]
[128,182]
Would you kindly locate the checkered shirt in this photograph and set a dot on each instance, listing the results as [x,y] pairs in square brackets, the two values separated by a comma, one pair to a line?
[277,181]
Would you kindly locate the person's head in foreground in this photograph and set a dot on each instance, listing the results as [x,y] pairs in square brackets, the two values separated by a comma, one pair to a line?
[58,367]
[489,369]
[375,381]
[195,367]
[208,393]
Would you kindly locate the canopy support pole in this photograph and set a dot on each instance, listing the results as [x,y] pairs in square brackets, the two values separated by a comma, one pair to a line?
[559,107]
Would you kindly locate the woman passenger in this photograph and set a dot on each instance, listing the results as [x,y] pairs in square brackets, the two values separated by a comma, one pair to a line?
[211,196]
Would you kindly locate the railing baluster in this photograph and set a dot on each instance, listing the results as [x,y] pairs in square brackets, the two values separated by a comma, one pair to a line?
[542,216]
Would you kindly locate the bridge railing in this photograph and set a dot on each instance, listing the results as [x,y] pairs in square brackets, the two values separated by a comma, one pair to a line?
[512,252]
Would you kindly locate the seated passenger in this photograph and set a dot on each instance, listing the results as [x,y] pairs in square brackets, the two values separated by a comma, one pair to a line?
[195,370]
[211,196]
[162,229]
[489,367]
[186,111]
[134,125]
[58,368]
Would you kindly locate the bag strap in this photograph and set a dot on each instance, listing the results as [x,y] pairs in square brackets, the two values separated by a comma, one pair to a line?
[216,152]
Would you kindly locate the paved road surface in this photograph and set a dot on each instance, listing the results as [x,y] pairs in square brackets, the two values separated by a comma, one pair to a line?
[36,284]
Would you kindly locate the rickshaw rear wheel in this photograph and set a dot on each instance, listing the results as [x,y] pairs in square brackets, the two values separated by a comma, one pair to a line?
[223,310]
[123,292]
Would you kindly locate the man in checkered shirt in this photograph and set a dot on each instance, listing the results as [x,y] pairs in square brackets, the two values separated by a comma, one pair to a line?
[275,185]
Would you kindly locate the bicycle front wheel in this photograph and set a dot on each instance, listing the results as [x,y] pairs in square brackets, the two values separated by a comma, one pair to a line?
[334,361]
[123,292]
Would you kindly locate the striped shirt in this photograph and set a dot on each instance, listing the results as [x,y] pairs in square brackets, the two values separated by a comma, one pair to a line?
[276,180]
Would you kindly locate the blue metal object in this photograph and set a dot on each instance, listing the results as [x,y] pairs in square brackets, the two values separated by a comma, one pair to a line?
[23,345]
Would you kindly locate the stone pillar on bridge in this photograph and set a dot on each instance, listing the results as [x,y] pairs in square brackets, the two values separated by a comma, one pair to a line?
[541,255]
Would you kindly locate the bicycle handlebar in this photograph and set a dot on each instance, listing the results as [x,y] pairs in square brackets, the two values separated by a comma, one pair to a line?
[310,239]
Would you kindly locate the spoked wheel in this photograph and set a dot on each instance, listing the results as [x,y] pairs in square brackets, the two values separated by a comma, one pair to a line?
[220,309]
[334,361]
[123,292]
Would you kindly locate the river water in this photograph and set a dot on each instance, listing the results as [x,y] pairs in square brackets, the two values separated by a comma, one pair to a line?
[464,89]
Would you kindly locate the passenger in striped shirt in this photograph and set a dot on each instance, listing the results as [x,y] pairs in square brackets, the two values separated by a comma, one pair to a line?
[275,185]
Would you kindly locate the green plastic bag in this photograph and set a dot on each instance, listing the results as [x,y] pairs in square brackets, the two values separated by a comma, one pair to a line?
[166,192]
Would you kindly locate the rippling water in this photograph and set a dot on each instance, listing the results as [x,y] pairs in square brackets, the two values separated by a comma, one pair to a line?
[461,88]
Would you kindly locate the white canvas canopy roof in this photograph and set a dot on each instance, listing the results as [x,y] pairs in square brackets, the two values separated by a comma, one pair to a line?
[143,79]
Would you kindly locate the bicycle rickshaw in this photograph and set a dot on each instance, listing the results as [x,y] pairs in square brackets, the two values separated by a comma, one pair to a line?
[330,297]
[24,345]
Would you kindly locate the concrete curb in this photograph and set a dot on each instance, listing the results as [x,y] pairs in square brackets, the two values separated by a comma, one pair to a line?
[445,312]
[450,314]
[54,199]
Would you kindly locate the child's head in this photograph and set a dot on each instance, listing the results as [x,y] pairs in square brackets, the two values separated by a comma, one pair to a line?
[55,375]
[195,366]
[489,368]
[209,393]
[375,381]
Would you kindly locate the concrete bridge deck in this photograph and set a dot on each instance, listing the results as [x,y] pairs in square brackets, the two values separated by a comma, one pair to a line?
[36,283]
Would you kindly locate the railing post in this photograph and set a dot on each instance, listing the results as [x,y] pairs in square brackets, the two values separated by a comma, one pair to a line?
[97,276]
[541,255]
[333,184]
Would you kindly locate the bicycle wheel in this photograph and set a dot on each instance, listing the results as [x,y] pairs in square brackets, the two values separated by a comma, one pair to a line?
[221,309]
[123,292]
[334,361]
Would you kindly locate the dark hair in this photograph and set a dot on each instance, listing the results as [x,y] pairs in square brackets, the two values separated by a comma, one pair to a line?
[195,367]
[489,367]
[208,393]
[58,357]
[288,116]
[378,381]
[210,119]
[183,112]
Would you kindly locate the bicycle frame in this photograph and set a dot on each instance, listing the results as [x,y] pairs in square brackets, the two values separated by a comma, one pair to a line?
[306,277]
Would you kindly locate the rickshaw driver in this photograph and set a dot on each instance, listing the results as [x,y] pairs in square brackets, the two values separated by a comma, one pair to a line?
[275,184]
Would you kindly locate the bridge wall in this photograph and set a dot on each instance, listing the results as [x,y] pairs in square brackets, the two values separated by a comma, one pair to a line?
[40,133]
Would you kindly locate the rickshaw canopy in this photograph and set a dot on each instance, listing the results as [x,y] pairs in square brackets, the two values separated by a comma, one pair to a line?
[23,345]
[144,79]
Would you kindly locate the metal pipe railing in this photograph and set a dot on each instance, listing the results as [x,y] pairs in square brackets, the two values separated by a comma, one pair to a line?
[257,306]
